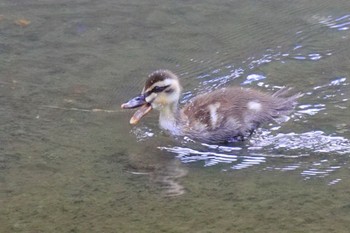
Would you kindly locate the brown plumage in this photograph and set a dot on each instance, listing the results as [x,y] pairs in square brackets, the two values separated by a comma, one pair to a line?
[223,115]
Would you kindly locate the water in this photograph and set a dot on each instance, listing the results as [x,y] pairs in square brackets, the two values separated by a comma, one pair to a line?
[69,161]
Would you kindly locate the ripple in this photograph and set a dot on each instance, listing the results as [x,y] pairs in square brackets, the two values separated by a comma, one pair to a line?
[315,56]
[142,133]
[338,81]
[321,168]
[248,161]
[187,155]
[309,56]
[266,146]
[253,78]
[341,23]
[299,57]
[311,109]
[333,182]
[223,79]
[309,142]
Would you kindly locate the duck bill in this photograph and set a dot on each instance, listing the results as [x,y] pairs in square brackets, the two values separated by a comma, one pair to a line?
[137,102]
[141,112]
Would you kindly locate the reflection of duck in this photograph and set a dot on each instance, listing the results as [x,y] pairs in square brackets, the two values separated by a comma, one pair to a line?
[223,115]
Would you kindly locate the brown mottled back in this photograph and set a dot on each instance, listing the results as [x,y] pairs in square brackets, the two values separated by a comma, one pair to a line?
[233,115]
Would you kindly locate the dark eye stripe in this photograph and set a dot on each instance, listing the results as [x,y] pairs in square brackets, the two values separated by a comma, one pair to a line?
[169,91]
[158,89]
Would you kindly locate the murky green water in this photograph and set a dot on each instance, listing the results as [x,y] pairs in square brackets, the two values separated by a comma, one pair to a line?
[69,165]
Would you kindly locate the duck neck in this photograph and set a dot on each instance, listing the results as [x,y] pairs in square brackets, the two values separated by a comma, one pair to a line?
[168,118]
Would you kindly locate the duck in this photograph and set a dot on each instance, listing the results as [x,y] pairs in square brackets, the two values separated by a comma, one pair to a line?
[221,116]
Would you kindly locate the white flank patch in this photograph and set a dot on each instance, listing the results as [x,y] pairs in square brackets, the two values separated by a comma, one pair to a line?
[213,113]
[255,106]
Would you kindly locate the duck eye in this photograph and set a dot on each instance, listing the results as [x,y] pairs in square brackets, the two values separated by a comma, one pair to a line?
[157,89]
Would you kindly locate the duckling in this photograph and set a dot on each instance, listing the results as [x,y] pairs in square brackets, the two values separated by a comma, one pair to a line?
[224,115]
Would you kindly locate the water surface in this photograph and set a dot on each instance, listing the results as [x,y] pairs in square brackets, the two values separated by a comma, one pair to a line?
[69,161]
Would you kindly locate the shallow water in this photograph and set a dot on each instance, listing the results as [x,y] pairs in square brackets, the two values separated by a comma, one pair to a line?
[69,161]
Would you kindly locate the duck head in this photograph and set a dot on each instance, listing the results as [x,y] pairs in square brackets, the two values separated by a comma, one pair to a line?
[162,91]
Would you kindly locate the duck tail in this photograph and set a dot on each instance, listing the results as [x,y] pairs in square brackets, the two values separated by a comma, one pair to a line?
[283,94]
[285,103]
